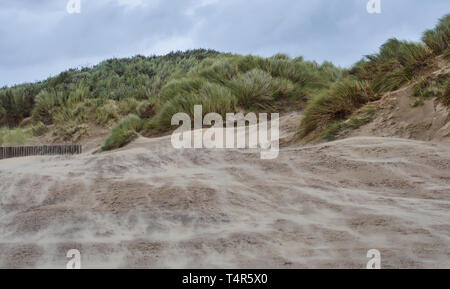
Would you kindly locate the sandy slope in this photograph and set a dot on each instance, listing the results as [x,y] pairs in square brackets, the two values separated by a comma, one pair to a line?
[395,117]
[149,205]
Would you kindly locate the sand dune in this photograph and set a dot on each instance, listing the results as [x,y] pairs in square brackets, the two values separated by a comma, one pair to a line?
[149,205]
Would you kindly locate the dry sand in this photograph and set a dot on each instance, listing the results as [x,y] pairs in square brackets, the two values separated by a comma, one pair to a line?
[151,206]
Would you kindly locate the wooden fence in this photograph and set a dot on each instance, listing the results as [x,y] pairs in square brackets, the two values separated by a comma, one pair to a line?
[14,152]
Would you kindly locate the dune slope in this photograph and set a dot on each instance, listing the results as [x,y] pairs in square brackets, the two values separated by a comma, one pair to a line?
[151,206]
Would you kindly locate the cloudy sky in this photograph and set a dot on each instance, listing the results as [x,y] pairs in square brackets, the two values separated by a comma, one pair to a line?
[40,38]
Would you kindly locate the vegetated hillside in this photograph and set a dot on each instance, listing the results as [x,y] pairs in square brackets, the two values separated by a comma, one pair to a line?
[349,103]
[418,111]
[142,93]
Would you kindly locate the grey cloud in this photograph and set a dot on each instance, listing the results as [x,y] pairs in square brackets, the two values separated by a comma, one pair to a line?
[39,38]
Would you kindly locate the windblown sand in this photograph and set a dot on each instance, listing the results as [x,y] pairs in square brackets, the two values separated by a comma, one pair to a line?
[152,206]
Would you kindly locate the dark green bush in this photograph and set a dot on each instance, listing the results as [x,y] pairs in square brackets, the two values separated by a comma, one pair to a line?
[335,105]
[146,109]
[438,39]
[123,133]
[39,129]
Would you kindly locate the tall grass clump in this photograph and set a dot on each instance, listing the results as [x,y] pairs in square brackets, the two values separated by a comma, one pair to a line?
[329,72]
[107,112]
[147,109]
[13,137]
[396,64]
[249,62]
[334,105]
[15,105]
[438,39]
[3,115]
[125,132]
[179,87]
[433,86]
[128,106]
[47,103]
[220,72]
[302,73]
[39,129]
[212,97]
[254,88]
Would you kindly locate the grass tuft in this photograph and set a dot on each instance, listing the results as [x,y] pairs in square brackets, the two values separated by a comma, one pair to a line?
[335,105]
[438,39]
[39,129]
[147,109]
[106,113]
[125,132]
[14,137]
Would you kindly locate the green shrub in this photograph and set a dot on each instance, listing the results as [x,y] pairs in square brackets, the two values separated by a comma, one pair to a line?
[15,105]
[39,129]
[357,92]
[335,105]
[127,106]
[282,87]
[123,133]
[253,88]
[446,54]
[333,130]
[438,39]
[212,97]
[364,116]
[329,72]
[46,103]
[432,86]
[82,111]
[119,138]
[3,115]
[301,73]
[249,62]
[180,87]
[146,109]
[217,98]
[281,56]
[106,112]
[354,121]
[417,101]
[115,87]
[396,64]
[13,137]
[80,94]
[70,131]
[220,72]
[3,131]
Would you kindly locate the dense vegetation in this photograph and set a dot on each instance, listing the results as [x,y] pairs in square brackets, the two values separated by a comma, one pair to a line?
[149,90]
[140,94]
[396,64]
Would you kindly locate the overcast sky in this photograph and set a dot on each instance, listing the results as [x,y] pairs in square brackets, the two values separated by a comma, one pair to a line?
[40,38]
